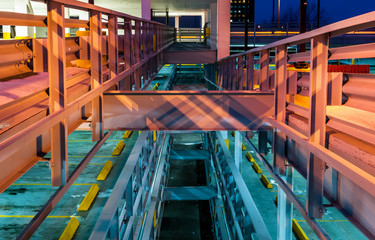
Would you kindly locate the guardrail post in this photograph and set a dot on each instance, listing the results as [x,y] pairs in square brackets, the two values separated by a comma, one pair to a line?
[113,45]
[57,91]
[280,99]
[264,82]
[138,55]
[240,65]
[128,50]
[317,122]
[250,71]
[96,58]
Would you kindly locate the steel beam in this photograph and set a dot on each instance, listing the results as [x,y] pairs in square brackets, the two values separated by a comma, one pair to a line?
[264,83]
[57,90]
[187,110]
[280,111]
[96,57]
[189,193]
[317,123]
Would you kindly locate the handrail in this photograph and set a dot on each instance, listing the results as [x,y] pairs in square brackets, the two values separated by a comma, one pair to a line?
[352,24]
[88,6]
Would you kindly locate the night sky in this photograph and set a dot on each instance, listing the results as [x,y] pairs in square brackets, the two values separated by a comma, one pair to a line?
[336,9]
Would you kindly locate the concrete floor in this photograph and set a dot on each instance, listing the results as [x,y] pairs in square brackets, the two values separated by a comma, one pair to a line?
[20,202]
[333,222]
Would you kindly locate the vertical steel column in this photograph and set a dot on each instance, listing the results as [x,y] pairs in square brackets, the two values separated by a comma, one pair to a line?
[238,150]
[284,205]
[240,72]
[250,71]
[138,56]
[280,99]
[128,52]
[96,73]
[137,41]
[113,45]
[317,122]
[129,201]
[285,208]
[264,83]
[57,91]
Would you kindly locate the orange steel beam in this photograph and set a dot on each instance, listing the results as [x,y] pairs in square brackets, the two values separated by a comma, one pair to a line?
[187,110]
[57,90]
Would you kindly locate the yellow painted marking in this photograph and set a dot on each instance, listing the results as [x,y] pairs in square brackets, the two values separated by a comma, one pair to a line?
[298,69]
[249,157]
[243,147]
[31,216]
[82,33]
[89,198]
[215,146]
[105,171]
[118,149]
[233,133]
[155,222]
[265,181]
[257,168]
[127,134]
[302,101]
[70,229]
[156,87]
[21,37]
[227,142]
[154,135]
[139,133]
[301,235]
[6,35]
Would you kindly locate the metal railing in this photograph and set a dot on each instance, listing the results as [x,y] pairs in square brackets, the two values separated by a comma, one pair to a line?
[127,202]
[242,216]
[269,29]
[190,35]
[107,62]
[326,168]
[142,42]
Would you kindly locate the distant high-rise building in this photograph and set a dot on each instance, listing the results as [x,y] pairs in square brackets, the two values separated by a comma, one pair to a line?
[238,10]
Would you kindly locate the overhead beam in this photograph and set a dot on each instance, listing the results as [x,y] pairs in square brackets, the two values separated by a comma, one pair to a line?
[187,110]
